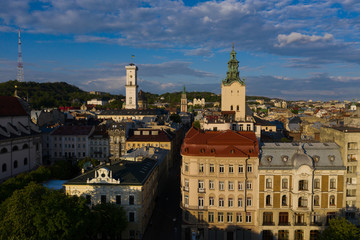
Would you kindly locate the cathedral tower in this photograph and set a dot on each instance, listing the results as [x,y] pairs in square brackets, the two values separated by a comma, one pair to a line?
[233,89]
[183,101]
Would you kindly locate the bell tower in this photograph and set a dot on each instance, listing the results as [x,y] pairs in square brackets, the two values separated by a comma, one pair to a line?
[131,87]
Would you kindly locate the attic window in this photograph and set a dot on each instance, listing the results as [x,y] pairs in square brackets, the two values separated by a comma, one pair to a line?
[232,151]
[186,150]
[268,158]
[316,158]
[284,158]
[331,158]
[202,150]
[212,150]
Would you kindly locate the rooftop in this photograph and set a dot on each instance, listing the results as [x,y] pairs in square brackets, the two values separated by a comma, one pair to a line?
[73,130]
[11,106]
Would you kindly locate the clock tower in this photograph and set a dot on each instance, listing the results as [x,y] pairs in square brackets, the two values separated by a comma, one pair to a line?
[131,87]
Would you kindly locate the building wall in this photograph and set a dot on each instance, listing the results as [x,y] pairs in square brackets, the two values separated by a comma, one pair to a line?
[233,99]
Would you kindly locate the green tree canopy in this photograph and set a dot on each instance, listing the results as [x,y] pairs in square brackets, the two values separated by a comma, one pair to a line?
[36,212]
[340,229]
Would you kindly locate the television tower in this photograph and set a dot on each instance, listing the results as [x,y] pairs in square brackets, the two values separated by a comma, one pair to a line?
[20,69]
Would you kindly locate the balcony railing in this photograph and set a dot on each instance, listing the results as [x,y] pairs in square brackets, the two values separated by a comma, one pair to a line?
[300,224]
[268,224]
[284,224]
[201,190]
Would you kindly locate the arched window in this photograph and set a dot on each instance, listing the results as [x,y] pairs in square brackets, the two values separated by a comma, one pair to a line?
[284,200]
[316,200]
[332,200]
[268,200]
[15,164]
[3,150]
[4,167]
[15,148]
[231,107]
[25,146]
[25,161]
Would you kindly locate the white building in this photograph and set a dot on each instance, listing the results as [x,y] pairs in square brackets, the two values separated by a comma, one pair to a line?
[96,102]
[20,139]
[200,102]
[131,87]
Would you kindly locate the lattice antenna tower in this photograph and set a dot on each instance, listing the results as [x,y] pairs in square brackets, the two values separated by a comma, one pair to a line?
[20,69]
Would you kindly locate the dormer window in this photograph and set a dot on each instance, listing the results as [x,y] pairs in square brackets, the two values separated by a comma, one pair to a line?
[268,158]
[232,151]
[331,158]
[284,158]
[316,158]
[202,150]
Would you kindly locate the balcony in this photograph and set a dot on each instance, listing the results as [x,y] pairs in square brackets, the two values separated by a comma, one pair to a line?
[186,188]
[268,224]
[284,224]
[201,190]
[300,224]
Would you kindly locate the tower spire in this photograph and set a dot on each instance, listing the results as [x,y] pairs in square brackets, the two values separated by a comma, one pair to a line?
[20,69]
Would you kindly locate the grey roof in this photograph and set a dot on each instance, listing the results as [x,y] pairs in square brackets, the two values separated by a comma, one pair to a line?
[128,172]
[293,155]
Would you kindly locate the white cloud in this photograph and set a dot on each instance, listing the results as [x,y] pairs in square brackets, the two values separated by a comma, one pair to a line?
[295,37]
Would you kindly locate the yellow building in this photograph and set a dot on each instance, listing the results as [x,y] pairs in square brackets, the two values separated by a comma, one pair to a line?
[301,187]
[131,185]
[219,184]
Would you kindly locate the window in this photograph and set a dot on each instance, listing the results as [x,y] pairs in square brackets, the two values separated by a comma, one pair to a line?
[230,202]
[268,200]
[284,183]
[186,167]
[211,201]
[15,164]
[212,168]
[103,198]
[231,186]
[267,218]
[201,185]
[201,202]
[221,202]
[25,161]
[241,127]
[240,202]
[299,218]
[248,128]
[268,183]
[231,168]
[131,200]
[283,218]
[332,183]
[239,217]
[316,219]
[248,217]
[201,168]
[299,235]
[186,200]
[240,186]
[231,107]
[15,148]
[248,185]
[248,202]
[211,184]
[330,215]
[4,167]
[316,200]
[221,185]
[131,217]
[118,199]
[186,182]
[25,146]
[283,235]
[3,150]
[229,217]
[303,185]
[267,235]
[314,234]
[332,200]
[220,217]
[211,217]
[284,200]
[317,183]
[302,202]
[241,168]
[249,168]
[221,168]
[237,108]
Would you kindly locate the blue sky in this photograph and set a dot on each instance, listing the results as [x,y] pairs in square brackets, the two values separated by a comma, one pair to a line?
[287,49]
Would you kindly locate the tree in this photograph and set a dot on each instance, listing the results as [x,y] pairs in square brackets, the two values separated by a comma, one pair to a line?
[36,212]
[340,229]
[109,220]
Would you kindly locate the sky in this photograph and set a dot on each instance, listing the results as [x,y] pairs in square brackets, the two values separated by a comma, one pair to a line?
[295,50]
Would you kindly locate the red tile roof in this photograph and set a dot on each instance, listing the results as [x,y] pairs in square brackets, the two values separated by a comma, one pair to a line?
[10,106]
[220,144]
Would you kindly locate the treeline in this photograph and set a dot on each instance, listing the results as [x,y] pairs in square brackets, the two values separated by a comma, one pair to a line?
[53,94]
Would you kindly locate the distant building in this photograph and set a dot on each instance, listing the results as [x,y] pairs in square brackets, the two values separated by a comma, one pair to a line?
[148,115]
[97,102]
[70,142]
[99,144]
[199,102]
[183,102]
[20,139]
[131,185]
[142,100]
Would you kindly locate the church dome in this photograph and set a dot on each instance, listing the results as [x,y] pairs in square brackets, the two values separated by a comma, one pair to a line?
[299,158]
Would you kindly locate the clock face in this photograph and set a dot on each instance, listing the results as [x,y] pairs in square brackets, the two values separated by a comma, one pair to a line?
[130,76]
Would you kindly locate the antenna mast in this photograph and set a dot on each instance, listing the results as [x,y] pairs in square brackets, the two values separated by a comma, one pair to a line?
[20,69]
